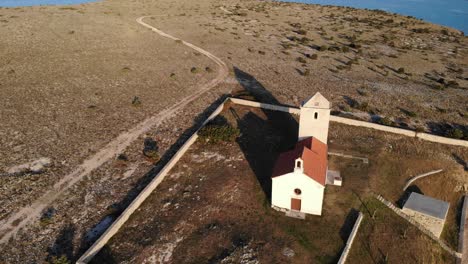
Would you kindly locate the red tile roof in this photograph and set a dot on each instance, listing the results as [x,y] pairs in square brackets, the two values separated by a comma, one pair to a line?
[313,152]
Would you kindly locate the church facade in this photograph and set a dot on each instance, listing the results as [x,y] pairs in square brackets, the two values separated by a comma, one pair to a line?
[300,175]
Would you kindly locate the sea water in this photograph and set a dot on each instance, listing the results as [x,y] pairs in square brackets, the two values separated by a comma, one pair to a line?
[451,13]
[17,3]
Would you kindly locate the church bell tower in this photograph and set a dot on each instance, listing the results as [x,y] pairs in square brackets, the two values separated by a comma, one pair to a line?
[314,119]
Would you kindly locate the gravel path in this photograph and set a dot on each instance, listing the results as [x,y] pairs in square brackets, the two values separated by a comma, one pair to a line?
[10,226]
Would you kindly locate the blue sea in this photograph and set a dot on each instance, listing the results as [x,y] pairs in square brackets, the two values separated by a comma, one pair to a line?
[451,13]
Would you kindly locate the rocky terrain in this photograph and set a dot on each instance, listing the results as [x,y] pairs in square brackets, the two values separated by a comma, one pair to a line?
[72,78]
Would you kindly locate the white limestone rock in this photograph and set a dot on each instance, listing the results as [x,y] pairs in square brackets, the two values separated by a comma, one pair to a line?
[37,166]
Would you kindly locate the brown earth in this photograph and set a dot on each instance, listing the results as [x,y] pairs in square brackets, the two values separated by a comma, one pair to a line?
[68,76]
[218,193]
[385,237]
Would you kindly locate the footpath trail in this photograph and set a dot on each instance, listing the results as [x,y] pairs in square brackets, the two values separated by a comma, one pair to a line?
[19,219]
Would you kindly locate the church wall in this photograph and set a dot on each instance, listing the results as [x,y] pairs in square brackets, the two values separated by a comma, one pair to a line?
[311,192]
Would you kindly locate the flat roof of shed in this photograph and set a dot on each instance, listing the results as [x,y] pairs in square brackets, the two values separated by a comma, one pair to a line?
[427,205]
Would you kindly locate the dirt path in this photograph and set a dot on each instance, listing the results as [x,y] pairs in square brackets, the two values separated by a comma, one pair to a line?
[10,226]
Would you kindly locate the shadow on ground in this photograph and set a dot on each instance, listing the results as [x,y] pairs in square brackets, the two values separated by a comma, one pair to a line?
[259,150]
[105,255]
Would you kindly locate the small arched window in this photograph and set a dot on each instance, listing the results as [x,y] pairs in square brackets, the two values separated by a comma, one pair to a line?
[298,163]
[297,191]
[316,115]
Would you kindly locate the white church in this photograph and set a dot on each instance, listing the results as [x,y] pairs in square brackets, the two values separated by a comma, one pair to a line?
[300,175]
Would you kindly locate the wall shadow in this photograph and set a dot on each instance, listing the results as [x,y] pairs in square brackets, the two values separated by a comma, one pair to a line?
[447,129]
[63,244]
[265,134]
[106,255]
[407,193]
[460,161]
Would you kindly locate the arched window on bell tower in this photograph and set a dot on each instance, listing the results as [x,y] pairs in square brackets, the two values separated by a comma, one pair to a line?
[299,165]
[316,115]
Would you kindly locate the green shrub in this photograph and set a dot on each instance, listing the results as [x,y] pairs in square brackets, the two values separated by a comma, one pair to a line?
[150,149]
[386,121]
[313,56]
[452,83]
[362,92]
[301,60]
[194,70]
[411,114]
[419,129]
[301,31]
[354,45]
[323,48]
[401,70]
[455,133]
[136,101]
[421,30]
[215,133]
[364,106]
[60,260]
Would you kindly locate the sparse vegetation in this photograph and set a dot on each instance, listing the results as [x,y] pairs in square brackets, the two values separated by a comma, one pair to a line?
[60,260]
[136,101]
[301,32]
[386,121]
[301,60]
[150,149]
[215,133]
[456,133]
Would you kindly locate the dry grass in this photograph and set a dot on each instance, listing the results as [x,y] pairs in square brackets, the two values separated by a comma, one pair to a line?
[219,197]
[385,237]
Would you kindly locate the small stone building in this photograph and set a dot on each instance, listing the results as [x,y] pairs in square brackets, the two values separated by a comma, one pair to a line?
[429,212]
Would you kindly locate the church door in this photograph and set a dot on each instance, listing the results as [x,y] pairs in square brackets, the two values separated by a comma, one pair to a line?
[296,204]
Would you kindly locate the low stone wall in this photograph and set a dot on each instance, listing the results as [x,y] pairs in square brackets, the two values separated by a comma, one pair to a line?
[120,221]
[351,238]
[281,108]
[399,212]
[410,181]
[462,235]
[352,122]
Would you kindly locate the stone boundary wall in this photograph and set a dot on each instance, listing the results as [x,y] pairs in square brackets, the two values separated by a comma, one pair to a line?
[120,221]
[419,226]
[410,181]
[352,122]
[282,108]
[351,238]
[461,235]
